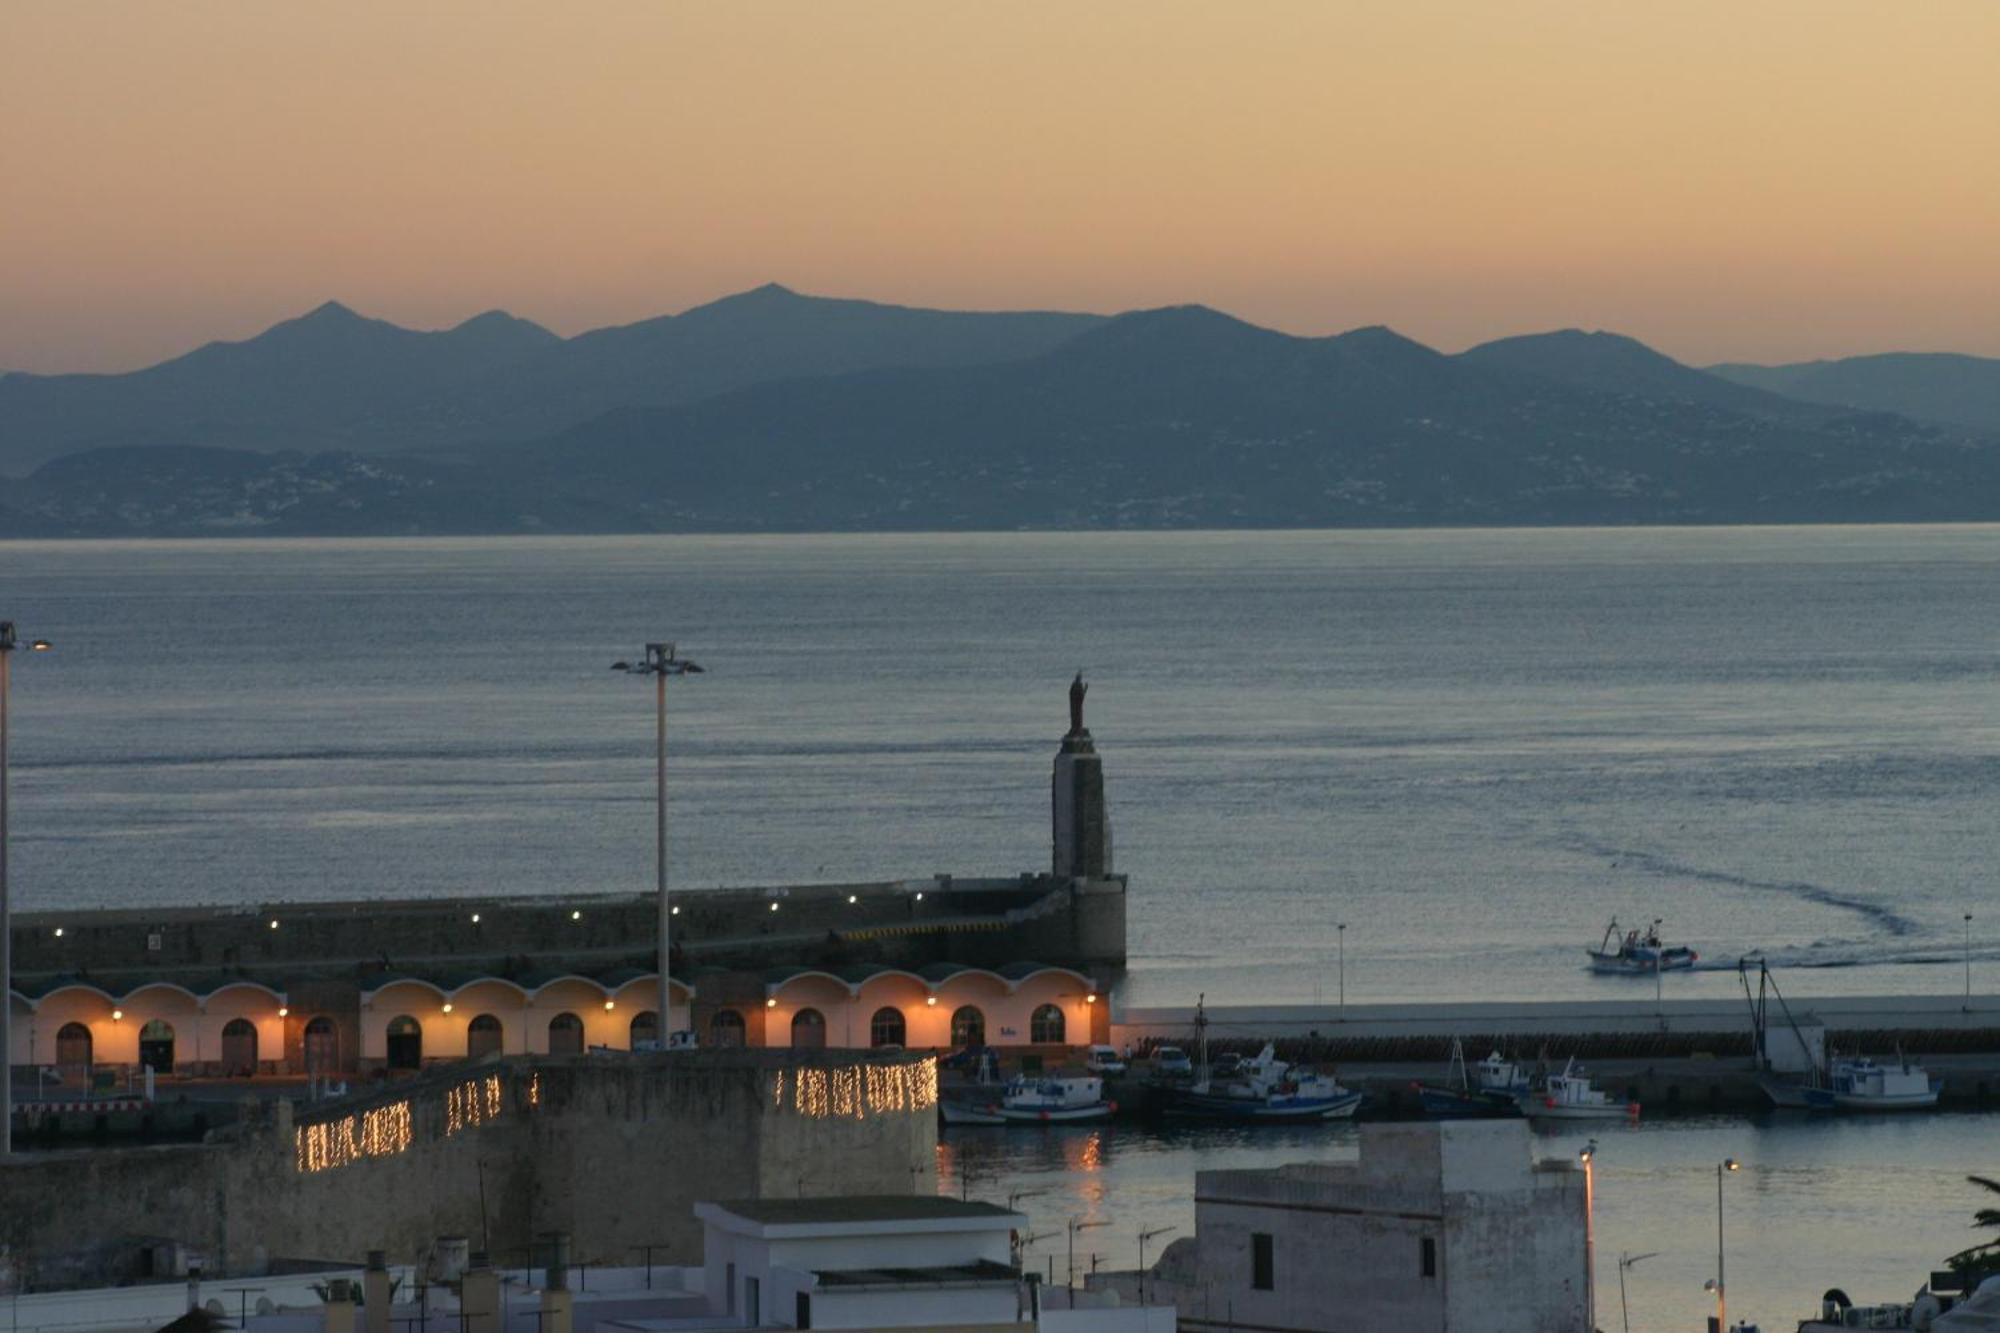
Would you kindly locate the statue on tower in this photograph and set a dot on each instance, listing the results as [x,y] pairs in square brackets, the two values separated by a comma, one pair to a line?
[1077,689]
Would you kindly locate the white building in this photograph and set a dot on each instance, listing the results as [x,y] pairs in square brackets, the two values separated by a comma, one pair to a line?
[869,1262]
[1438,1227]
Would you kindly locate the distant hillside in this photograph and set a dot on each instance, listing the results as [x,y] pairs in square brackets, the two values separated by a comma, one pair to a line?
[1929,386]
[1613,363]
[335,380]
[1177,418]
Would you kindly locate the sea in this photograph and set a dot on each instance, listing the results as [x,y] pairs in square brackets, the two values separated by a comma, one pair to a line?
[1470,748]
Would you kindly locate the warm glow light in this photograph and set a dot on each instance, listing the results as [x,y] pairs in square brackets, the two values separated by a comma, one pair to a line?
[771,1003]
[58,932]
[576,916]
[774,907]
[920,897]
[284,1010]
[853,898]
[447,1006]
[117,1014]
[930,999]
[608,1005]
[674,911]
[475,918]
[1090,998]
[274,923]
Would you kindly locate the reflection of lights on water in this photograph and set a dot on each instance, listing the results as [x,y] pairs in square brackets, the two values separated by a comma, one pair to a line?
[1086,1153]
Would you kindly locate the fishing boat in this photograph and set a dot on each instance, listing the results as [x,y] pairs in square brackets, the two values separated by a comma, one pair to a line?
[1863,1085]
[1260,1090]
[1570,1096]
[1266,1089]
[1488,1089]
[1636,955]
[1043,1100]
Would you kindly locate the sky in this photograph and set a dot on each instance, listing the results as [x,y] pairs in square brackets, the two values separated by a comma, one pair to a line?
[1771,181]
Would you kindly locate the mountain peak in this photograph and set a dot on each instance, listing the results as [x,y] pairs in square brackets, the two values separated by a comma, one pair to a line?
[329,312]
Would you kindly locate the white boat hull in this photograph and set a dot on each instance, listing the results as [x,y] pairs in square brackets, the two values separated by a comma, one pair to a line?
[1537,1110]
[1909,1101]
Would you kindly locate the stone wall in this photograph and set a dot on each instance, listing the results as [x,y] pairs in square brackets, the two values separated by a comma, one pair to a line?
[615,1150]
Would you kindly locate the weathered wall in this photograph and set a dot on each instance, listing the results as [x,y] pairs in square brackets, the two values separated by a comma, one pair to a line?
[614,1150]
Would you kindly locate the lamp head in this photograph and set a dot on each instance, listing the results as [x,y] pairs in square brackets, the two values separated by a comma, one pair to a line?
[1731,1164]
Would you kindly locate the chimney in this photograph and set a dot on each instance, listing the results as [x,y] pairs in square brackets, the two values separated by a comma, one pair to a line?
[375,1292]
[339,1306]
[479,1297]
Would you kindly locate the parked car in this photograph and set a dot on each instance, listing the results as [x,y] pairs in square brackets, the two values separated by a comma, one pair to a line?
[1104,1060]
[1172,1062]
[1226,1065]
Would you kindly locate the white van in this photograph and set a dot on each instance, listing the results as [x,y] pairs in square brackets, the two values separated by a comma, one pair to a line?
[1103,1060]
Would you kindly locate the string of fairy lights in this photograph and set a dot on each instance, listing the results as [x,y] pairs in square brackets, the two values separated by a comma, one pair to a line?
[852,1093]
[471,1104]
[384,1131]
[856,1093]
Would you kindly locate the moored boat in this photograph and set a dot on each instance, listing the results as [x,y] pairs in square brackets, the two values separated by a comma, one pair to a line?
[1637,955]
[1863,1085]
[1265,1089]
[1571,1096]
[1488,1089]
[1045,1100]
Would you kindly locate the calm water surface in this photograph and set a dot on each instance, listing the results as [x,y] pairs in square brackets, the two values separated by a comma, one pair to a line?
[1473,747]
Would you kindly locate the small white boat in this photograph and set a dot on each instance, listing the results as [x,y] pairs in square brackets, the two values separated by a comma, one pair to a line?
[1635,955]
[1863,1085]
[1052,1100]
[1570,1096]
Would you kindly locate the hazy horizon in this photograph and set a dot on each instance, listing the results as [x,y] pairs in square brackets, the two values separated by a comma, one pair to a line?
[1774,183]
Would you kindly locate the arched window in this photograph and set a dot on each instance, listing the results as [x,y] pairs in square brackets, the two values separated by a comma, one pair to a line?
[482,1036]
[809,1030]
[886,1028]
[726,1028]
[1046,1025]
[322,1046]
[405,1043]
[968,1027]
[156,1046]
[239,1047]
[565,1035]
[645,1029]
[73,1050]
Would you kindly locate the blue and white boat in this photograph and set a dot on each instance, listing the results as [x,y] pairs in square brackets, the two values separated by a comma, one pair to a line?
[1265,1089]
[1491,1088]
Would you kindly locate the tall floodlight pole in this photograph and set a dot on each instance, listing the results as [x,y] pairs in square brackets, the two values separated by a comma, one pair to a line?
[8,644]
[1968,962]
[660,662]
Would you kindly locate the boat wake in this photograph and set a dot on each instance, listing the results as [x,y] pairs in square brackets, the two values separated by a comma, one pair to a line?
[1667,868]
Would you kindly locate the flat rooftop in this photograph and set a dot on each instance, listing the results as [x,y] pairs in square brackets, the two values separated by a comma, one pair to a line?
[859,1208]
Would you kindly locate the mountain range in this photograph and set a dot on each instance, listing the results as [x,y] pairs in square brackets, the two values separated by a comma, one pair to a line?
[773,411]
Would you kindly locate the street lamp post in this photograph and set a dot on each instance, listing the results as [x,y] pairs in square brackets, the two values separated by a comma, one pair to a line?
[1968,962]
[1145,1236]
[1721,1283]
[660,662]
[8,643]
[1340,935]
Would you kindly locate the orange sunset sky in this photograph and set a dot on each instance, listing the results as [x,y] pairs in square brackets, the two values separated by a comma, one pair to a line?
[1758,179]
